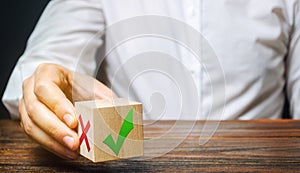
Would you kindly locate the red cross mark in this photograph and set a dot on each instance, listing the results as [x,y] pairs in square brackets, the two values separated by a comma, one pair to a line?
[84,132]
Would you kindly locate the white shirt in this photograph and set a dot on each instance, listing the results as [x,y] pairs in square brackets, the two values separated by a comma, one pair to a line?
[257,43]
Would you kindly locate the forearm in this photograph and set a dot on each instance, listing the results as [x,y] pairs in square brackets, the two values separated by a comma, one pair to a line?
[61,34]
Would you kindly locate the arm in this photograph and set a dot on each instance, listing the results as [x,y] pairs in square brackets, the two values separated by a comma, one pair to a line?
[60,35]
[293,66]
[43,80]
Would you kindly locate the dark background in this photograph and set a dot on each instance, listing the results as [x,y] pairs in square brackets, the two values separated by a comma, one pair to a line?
[18,18]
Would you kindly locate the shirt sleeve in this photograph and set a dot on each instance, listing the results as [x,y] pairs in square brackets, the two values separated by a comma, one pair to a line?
[67,32]
[293,65]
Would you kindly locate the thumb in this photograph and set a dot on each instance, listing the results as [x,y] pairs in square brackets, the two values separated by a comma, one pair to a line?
[88,88]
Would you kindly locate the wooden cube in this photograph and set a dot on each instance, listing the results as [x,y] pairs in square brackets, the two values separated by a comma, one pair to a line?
[110,129]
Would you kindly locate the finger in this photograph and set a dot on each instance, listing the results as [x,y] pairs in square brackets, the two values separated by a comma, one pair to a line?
[87,88]
[47,120]
[49,91]
[41,137]
[102,91]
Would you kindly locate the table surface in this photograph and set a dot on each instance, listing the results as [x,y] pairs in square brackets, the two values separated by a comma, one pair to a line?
[256,145]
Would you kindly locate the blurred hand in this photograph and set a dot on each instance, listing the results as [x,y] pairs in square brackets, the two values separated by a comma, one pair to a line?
[46,110]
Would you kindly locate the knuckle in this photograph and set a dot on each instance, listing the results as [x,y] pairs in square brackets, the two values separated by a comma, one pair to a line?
[42,67]
[54,131]
[27,127]
[30,110]
[25,83]
[57,106]
[40,87]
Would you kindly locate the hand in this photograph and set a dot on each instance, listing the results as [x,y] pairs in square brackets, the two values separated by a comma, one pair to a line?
[46,110]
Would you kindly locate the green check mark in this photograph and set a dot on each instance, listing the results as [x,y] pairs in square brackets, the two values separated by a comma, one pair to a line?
[126,128]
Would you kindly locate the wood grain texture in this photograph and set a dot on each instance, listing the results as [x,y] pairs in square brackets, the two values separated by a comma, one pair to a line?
[106,118]
[237,146]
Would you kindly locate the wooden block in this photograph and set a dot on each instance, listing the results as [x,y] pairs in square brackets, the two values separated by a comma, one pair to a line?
[110,129]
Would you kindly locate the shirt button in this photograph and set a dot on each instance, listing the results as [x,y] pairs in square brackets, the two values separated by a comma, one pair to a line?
[192,11]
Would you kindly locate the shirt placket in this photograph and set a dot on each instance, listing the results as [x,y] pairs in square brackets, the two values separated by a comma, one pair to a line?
[193,15]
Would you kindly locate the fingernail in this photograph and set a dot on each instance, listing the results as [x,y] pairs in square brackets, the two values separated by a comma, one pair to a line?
[71,154]
[69,141]
[68,119]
